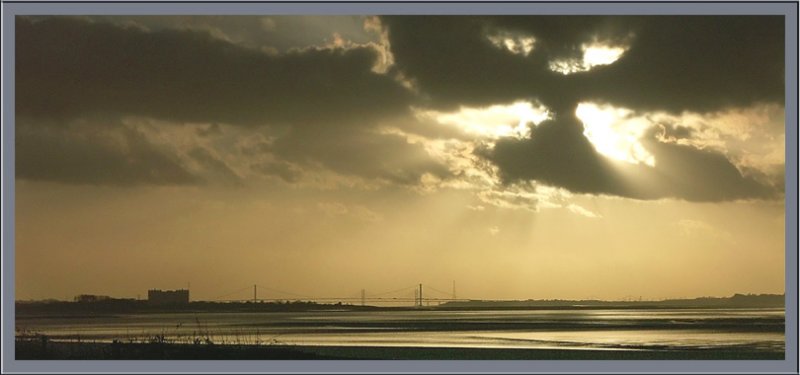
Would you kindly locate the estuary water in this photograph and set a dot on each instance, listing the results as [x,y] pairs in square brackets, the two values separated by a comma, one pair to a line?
[565,329]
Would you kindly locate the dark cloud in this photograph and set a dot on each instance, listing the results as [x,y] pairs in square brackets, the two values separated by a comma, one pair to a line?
[558,154]
[673,63]
[67,68]
[697,175]
[323,106]
[323,99]
[696,63]
[280,33]
[80,154]
[563,36]
[454,63]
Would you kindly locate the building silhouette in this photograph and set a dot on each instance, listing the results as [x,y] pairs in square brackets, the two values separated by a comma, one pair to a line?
[168,297]
[90,298]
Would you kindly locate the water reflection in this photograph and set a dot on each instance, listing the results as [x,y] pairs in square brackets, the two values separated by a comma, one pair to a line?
[751,329]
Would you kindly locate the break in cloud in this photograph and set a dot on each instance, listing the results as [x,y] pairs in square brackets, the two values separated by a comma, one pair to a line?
[670,64]
[264,103]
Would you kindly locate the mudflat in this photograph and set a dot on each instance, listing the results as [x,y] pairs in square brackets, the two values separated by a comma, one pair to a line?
[37,350]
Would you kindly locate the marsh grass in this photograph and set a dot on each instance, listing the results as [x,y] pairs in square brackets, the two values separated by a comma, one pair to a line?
[200,334]
[168,343]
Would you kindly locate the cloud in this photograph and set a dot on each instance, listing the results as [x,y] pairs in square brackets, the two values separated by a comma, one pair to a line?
[672,63]
[454,63]
[696,63]
[659,64]
[519,44]
[511,120]
[753,138]
[333,208]
[558,154]
[574,208]
[522,196]
[210,130]
[268,24]
[213,166]
[285,171]
[67,68]
[361,153]
[365,214]
[273,33]
[80,153]
[450,107]
[319,106]
[698,175]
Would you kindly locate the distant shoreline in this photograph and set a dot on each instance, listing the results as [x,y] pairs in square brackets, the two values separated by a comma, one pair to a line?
[37,350]
[130,306]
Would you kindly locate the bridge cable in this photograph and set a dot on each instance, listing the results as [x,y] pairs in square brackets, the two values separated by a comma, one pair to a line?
[284,292]
[391,291]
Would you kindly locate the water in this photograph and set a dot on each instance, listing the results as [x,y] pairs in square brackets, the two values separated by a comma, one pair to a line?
[573,329]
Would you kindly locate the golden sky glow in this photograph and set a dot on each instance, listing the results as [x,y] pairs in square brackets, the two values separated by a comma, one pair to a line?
[496,121]
[325,155]
[612,136]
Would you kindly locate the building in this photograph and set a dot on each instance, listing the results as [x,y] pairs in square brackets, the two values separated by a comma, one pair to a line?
[90,298]
[168,297]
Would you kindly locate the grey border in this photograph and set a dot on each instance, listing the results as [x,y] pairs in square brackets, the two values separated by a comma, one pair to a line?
[10,365]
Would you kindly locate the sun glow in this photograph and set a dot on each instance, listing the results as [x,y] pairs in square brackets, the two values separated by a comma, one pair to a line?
[598,54]
[594,54]
[614,133]
[497,121]
[514,43]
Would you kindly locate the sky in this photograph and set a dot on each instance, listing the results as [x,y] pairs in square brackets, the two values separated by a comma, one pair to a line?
[515,157]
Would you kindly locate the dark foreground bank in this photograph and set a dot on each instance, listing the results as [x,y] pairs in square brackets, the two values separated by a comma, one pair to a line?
[39,350]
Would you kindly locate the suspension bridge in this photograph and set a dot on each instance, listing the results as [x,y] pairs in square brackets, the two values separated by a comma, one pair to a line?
[418,294]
